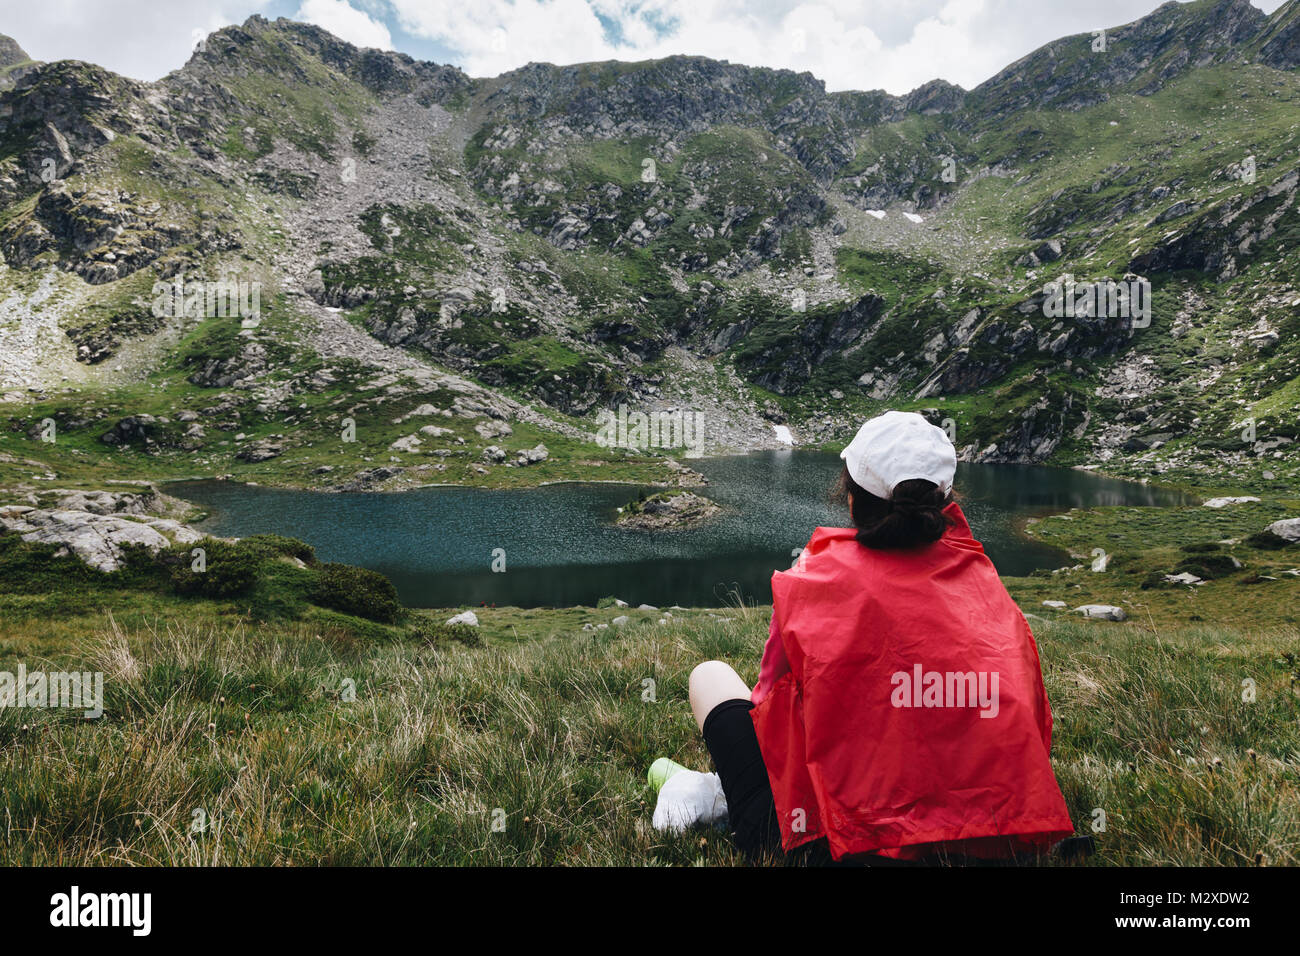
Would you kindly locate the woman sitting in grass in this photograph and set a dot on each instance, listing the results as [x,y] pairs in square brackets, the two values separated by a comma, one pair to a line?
[900,710]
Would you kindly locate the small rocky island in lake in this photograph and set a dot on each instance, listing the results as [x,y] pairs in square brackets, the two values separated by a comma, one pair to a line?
[668,511]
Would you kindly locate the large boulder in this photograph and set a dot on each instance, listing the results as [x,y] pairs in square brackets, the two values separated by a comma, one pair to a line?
[96,539]
[408,445]
[145,430]
[1288,528]
[1102,612]
[258,451]
[368,479]
[532,456]
[491,428]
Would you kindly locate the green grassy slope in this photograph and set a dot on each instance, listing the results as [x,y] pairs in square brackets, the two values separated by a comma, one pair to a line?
[533,748]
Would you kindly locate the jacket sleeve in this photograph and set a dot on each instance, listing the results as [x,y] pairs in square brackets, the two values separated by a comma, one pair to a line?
[775,664]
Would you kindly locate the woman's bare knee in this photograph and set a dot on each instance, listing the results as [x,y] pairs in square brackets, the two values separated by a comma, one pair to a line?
[710,684]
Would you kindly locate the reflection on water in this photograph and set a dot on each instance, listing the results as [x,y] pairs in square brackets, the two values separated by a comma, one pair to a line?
[436,544]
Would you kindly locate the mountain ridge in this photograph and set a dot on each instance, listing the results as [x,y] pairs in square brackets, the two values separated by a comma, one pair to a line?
[672,233]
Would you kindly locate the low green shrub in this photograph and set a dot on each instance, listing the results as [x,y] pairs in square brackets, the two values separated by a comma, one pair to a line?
[277,545]
[435,634]
[358,591]
[31,568]
[1268,541]
[1209,566]
[225,569]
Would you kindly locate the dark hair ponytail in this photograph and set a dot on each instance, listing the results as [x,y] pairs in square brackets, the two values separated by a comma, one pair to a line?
[911,517]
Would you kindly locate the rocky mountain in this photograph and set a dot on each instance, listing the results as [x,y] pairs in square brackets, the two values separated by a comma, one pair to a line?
[1139,57]
[510,256]
[14,62]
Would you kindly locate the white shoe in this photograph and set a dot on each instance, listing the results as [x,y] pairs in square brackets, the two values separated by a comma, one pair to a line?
[689,798]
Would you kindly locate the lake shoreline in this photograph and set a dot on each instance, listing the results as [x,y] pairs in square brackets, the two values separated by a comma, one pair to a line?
[1097,471]
[561,545]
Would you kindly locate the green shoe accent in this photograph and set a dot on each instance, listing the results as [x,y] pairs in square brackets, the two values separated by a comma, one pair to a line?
[661,770]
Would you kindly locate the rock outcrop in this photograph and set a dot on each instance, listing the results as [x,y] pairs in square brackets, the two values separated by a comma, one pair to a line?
[669,511]
[96,537]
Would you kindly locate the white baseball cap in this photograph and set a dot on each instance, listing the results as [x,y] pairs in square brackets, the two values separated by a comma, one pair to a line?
[899,446]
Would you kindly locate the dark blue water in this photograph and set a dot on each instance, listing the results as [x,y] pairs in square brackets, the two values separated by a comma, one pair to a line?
[561,549]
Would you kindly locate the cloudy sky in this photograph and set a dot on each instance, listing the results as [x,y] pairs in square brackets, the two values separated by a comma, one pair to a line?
[851,44]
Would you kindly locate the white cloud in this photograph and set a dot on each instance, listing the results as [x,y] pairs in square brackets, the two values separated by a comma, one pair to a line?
[834,39]
[497,35]
[839,41]
[851,44]
[346,22]
[136,38]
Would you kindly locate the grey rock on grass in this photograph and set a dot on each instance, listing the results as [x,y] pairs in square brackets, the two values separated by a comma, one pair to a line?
[1103,612]
[97,539]
[1288,528]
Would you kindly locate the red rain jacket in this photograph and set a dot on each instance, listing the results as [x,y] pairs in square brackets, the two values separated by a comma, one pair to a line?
[875,737]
